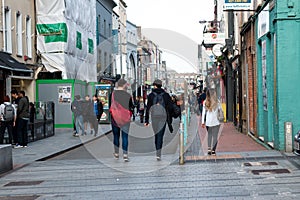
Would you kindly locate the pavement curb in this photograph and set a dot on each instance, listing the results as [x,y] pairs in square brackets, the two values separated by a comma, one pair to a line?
[72,147]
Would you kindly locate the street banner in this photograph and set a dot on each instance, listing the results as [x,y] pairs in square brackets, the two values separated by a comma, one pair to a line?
[237,5]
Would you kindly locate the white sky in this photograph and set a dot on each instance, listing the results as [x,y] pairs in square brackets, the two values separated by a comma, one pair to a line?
[175,15]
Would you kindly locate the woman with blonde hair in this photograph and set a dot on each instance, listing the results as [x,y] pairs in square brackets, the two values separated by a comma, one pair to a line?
[210,120]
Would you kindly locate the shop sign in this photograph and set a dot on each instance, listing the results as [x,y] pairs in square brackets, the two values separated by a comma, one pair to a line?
[214,38]
[238,4]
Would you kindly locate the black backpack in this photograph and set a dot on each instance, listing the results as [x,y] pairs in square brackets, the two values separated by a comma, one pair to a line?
[9,113]
[158,106]
[176,110]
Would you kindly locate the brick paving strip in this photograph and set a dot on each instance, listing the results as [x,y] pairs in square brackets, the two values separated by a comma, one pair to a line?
[230,146]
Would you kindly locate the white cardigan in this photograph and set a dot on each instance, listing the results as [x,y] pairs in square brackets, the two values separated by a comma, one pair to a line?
[211,116]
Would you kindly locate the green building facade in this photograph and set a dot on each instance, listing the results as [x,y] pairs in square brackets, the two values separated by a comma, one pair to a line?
[278,72]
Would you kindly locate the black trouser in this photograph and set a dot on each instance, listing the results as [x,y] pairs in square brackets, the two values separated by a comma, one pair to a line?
[3,126]
[159,127]
[15,132]
[22,132]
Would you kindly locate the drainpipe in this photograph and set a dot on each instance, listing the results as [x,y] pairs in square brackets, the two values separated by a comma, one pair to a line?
[3,29]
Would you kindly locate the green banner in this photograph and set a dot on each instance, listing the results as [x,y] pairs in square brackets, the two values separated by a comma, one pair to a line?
[78,40]
[91,46]
[53,32]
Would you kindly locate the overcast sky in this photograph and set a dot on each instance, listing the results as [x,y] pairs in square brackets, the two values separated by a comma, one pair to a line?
[175,15]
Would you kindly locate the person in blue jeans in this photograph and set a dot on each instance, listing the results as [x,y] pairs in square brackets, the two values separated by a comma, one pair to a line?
[122,97]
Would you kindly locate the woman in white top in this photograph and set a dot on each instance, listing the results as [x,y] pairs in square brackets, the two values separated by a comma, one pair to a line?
[210,119]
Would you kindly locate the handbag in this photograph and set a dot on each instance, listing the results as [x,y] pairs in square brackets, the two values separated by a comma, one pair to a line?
[220,114]
[120,114]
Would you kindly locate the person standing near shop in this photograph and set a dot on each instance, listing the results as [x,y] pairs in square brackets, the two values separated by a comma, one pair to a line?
[76,108]
[23,118]
[98,108]
[211,122]
[158,106]
[7,119]
[15,101]
[122,99]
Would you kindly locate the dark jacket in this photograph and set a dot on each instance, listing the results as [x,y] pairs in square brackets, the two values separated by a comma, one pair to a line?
[167,101]
[99,107]
[76,108]
[23,108]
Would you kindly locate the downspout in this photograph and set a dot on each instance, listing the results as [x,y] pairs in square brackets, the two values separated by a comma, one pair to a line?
[3,29]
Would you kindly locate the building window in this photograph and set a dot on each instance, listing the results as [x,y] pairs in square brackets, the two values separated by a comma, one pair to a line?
[28,37]
[19,33]
[105,60]
[7,31]
[104,28]
[109,30]
[99,61]
[99,24]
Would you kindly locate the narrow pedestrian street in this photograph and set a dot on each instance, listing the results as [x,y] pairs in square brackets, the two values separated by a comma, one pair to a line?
[80,174]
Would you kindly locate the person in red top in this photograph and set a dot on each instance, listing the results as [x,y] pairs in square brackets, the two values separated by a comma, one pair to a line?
[121,96]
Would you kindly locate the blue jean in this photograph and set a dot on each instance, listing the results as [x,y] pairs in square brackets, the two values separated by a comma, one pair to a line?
[116,133]
[79,123]
[159,127]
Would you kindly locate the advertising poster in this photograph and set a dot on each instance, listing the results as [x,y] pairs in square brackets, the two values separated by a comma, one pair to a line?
[264,74]
[103,93]
[64,94]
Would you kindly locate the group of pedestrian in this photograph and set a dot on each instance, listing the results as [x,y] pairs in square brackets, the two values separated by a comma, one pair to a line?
[159,107]
[14,117]
[86,112]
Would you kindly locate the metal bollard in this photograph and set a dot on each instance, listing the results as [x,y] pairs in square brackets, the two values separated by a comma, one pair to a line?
[181,145]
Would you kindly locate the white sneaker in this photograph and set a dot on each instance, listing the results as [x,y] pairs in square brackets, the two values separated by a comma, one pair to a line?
[17,146]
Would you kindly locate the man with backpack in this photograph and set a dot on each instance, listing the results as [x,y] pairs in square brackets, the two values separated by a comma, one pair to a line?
[158,107]
[7,119]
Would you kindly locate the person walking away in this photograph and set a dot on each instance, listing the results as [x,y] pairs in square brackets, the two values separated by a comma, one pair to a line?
[212,124]
[141,109]
[8,116]
[201,99]
[15,101]
[158,105]
[23,118]
[76,108]
[122,98]
[98,107]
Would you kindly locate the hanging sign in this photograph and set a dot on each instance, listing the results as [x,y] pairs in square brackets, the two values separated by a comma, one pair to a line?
[237,5]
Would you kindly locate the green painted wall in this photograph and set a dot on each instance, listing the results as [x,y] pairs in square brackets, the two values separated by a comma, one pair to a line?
[283,74]
[288,62]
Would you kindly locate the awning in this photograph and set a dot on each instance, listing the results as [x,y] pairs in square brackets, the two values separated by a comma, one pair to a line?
[8,62]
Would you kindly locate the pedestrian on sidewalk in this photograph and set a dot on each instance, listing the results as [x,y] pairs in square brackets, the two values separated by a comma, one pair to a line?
[122,99]
[201,99]
[7,119]
[141,109]
[15,101]
[23,118]
[158,106]
[76,108]
[89,116]
[212,124]
[98,108]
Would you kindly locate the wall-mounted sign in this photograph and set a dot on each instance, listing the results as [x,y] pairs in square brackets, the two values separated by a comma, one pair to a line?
[214,38]
[263,22]
[238,5]
[217,49]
